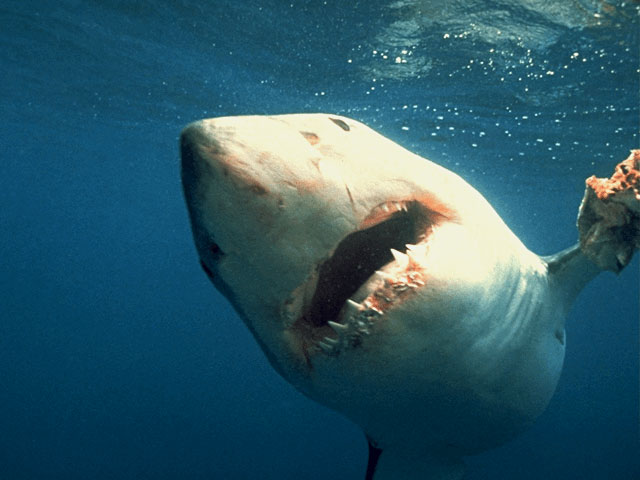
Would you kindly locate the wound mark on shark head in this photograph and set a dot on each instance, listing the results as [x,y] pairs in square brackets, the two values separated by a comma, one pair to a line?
[312,138]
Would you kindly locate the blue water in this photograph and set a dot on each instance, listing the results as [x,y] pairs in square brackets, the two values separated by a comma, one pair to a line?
[118,360]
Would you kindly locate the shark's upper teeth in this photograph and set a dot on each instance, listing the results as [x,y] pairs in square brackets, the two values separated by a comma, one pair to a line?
[401,258]
[417,253]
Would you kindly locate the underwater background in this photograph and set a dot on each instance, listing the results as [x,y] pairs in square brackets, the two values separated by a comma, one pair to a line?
[119,360]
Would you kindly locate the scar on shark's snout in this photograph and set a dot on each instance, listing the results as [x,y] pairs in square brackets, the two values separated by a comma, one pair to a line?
[313,138]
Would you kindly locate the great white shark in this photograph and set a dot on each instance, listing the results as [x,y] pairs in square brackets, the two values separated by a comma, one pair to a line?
[386,287]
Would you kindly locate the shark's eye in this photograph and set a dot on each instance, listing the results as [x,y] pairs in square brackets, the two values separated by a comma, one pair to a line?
[341,123]
[360,254]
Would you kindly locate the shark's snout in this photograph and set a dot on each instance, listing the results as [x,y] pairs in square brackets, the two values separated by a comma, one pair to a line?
[204,150]
[218,186]
[194,164]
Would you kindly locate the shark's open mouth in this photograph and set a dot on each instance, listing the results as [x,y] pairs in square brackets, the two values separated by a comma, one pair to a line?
[390,229]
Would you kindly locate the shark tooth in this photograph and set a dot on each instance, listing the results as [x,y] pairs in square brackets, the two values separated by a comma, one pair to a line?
[327,348]
[331,341]
[353,307]
[401,258]
[386,277]
[400,287]
[415,280]
[623,259]
[339,328]
[417,252]
[371,310]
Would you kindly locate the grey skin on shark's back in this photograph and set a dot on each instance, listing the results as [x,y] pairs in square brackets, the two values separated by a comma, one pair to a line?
[385,287]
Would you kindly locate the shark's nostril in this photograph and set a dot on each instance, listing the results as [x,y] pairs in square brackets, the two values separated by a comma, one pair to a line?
[215,251]
[210,256]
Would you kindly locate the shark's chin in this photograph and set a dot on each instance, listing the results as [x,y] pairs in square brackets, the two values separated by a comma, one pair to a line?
[368,273]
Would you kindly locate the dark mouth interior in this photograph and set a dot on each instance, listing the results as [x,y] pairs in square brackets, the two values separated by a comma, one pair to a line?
[359,255]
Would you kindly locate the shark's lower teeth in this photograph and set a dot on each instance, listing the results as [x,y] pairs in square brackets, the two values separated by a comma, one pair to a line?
[357,319]
[339,328]
[386,278]
[353,307]
[326,347]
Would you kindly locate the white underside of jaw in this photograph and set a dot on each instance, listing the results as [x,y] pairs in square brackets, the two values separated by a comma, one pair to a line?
[389,286]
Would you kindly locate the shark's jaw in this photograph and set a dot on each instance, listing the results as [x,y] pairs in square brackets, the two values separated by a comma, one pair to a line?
[371,270]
